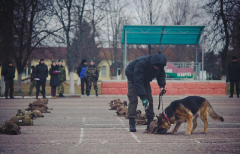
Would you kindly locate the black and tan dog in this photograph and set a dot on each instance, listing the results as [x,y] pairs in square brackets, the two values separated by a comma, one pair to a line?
[186,110]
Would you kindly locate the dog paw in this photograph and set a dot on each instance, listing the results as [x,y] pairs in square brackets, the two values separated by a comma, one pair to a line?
[187,133]
[204,132]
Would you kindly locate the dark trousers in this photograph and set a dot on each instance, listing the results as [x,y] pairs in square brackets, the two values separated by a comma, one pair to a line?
[9,85]
[90,81]
[53,90]
[133,100]
[43,84]
[232,86]
[84,80]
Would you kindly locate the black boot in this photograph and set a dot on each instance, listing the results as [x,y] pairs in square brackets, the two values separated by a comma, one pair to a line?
[231,96]
[149,120]
[132,127]
[6,97]
[96,93]
[88,93]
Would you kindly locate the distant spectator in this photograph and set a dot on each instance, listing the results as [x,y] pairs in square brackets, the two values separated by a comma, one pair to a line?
[40,76]
[233,71]
[54,81]
[92,76]
[62,78]
[9,74]
[33,82]
[81,71]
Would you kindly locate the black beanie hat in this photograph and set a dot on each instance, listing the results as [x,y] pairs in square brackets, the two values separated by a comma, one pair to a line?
[91,60]
[41,59]
[9,62]
[234,58]
[60,60]
[83,61]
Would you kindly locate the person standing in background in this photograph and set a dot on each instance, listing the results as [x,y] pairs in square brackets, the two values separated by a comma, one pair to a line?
[40,76]
[9,75]
[54,81]
[92,76]
[81,71]
[62,78]
[233,71]
[33,82]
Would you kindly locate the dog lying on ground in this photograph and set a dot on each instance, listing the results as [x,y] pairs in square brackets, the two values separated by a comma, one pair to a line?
[185,110]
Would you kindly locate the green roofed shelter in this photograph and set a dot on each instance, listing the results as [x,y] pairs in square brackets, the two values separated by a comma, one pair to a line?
[161,35]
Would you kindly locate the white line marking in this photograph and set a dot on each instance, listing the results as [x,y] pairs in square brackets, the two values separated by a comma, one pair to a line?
[133,135]
[81,135]
[120,121]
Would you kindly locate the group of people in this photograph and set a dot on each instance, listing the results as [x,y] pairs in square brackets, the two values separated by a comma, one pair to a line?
[88,75]
[40,73]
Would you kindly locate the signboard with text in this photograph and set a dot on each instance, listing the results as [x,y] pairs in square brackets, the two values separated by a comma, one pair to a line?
[175,72]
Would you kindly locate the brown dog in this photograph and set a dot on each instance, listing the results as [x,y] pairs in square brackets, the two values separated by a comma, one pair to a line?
[186,110]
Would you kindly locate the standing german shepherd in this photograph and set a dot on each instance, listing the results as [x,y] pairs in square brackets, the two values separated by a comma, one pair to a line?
[186,110]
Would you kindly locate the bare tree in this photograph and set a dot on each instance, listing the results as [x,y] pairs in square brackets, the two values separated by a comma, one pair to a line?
[220,13]
[183,12]
[29,28]
[115,18]
[65,12]
[148,12]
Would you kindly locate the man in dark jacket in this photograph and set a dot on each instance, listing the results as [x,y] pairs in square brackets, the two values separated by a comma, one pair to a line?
[140,73]
[9,75]
[81,71]
[233,71]
[41,75]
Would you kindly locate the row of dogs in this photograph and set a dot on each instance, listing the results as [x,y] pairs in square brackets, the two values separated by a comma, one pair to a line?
[183,110]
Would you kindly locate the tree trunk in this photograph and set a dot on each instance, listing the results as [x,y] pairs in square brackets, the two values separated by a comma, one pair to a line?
[2,85]
[71,81]
[19,83]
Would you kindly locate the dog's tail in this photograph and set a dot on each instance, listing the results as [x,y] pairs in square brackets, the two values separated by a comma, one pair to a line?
[213,114]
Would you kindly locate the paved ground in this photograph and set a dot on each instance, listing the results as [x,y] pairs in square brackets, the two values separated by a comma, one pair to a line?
[86,125]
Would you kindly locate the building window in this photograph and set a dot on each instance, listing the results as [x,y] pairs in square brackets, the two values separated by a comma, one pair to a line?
[103,71]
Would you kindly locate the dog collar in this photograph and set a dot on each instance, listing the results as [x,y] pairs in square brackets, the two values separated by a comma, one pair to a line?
[169,122]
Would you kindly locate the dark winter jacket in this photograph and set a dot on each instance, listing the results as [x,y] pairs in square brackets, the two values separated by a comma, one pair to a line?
[8,73]
[233,71]
[41,72]
[62,74]
[140,72]
[54,81]
[81,70]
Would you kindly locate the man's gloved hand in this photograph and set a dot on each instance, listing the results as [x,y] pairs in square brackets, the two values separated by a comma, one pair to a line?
[145,102]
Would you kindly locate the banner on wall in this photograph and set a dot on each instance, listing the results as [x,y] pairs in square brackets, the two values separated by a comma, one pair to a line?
[175,72]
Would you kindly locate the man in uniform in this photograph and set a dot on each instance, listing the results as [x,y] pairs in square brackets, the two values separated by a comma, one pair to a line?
[62,78]
[33,82]
[140,73]
[92,76]
[9,75]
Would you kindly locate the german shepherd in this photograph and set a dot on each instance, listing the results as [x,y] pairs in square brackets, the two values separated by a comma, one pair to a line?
[186,110]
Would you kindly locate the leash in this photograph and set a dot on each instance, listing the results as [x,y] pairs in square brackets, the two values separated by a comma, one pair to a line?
[160,98]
